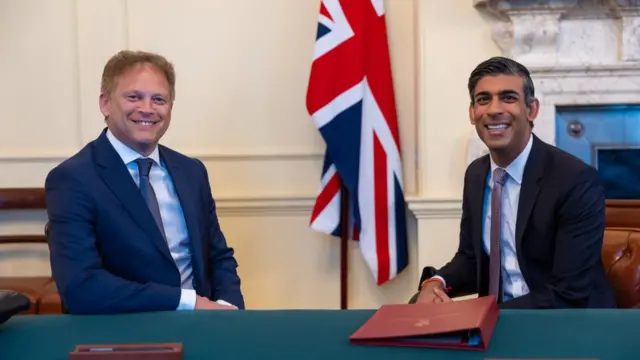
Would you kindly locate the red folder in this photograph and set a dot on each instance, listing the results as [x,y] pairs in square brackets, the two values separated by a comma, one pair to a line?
[464,324]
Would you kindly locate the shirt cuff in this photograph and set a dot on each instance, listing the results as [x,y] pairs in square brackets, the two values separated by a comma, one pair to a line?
[222,302]
[187,300]
[444,283]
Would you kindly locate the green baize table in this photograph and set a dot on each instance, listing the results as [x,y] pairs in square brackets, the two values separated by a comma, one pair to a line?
[318,334]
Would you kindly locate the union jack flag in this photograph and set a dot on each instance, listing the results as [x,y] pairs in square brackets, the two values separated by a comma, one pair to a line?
[351,100]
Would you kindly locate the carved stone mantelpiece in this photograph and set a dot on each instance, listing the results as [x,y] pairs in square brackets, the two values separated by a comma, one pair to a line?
[573,32]
[579,52]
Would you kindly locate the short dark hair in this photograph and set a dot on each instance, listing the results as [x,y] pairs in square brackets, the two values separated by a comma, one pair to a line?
[502,66]
[499,65]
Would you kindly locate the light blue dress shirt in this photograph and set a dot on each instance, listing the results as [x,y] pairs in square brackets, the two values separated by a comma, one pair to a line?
[173,221]
[513,282]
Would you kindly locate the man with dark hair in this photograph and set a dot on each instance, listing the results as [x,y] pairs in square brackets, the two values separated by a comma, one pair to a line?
[533,216]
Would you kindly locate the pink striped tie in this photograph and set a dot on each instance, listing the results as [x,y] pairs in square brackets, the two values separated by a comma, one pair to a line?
[499,176]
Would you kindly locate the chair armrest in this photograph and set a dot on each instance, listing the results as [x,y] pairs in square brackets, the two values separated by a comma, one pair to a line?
[12,303]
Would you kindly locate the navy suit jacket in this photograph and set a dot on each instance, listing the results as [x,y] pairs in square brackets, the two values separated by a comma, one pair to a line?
[559,234]
[108,255]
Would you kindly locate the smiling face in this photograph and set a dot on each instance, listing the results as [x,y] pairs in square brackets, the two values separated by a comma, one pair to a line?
[138,110]
[501,116]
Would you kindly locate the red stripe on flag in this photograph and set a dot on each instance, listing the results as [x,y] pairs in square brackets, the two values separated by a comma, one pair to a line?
[353,11]
[324,11]
[344,66]
[334,73]
[379,70]
[381,209]
[326,195]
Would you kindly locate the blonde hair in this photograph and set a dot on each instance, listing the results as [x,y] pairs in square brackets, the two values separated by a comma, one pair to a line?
[124,60]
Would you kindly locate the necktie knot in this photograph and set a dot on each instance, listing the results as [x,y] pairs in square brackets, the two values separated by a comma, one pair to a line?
[144,166]
[499,176]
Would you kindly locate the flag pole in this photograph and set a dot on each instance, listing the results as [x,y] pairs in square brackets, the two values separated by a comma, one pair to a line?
[344,246]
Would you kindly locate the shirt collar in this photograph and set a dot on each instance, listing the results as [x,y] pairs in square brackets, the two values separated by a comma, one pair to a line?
[128,154]
[516,168]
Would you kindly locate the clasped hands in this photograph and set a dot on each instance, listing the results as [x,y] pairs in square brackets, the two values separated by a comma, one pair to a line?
[202,303]
[432,292]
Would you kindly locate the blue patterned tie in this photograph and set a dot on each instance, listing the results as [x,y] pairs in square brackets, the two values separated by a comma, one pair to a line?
[144,168]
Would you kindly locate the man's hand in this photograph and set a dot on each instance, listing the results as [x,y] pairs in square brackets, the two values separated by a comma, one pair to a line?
[203,303]
[432,292]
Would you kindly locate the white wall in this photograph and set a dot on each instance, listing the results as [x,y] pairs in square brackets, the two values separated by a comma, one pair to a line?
[453,39]
[242,70]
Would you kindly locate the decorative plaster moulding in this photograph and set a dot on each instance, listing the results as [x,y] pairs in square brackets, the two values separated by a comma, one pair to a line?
[296,205]
[435,208]
[553,32]
[579,52]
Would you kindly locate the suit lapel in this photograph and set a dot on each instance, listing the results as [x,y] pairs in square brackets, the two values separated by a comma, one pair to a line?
[188,202]
[117,178]
[533,172]
[479,179]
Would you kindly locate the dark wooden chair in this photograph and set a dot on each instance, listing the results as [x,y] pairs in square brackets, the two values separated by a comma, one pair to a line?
[40,290]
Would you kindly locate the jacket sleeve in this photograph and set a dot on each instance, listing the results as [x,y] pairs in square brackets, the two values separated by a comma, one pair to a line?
[578,247]
[84,285]
[222,265]
[460,273]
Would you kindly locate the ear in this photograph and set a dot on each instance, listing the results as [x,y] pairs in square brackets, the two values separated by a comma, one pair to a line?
[472,118]
[104,101]
[532,109]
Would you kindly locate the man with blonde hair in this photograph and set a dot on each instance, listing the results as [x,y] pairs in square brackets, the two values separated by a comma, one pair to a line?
[132,224]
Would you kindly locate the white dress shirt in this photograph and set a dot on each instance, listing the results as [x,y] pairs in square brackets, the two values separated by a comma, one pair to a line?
[513,282]
[173,221]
